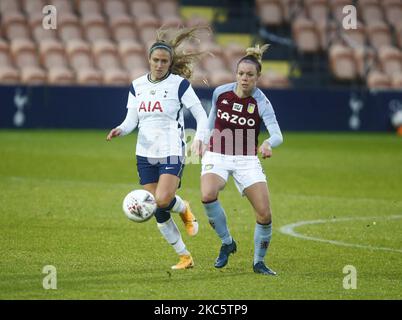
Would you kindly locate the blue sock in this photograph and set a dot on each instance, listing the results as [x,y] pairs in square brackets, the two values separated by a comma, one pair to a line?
[262,238]
[217,219]
[163,214]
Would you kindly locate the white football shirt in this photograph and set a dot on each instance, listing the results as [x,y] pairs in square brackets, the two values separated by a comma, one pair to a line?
[157,109]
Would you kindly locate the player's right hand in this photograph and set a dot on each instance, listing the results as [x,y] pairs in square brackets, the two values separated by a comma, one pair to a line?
[113,133]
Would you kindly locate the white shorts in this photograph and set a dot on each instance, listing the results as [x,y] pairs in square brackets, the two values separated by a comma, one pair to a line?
[246,170]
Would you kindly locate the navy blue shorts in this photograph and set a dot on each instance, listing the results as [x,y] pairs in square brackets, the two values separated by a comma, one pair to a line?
[149,169]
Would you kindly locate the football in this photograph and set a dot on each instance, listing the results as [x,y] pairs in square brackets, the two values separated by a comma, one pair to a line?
[139,205]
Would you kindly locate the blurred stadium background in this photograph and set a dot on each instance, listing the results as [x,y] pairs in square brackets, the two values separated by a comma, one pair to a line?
[104,43]
[62,189]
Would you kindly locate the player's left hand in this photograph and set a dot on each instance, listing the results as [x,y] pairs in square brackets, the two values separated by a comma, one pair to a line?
[265,150]
[198,148]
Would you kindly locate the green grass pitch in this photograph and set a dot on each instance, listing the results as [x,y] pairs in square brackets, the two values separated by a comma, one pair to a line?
[61,195]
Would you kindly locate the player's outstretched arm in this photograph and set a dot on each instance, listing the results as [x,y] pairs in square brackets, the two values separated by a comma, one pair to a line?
[113,133]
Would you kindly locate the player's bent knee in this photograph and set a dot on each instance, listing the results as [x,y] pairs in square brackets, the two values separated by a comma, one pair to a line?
[163,201]
[264,216]
[209,196]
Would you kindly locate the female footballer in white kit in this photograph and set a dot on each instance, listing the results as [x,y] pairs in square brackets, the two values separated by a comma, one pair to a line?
[235,117]
[155,105]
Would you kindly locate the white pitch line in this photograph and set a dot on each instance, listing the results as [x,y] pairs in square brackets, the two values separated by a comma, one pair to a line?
[289,230]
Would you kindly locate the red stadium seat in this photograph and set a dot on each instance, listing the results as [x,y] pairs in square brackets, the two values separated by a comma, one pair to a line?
[132,55]
[370,11]
[24,53]
[317,10]
[95,27]
[305,35]
[396,81]
[378,80]
[342,62]
[33,75]
[15,26]
[393,11]
[114,8]
[106,55]
[60,76]
[270,12]
[141,8]
[365,60]
[9,75]
[9,7]
[122,27]
[79,54]
[32,7]
[390,59]
[86,6]
[69,27]
[379,34]
[273,80]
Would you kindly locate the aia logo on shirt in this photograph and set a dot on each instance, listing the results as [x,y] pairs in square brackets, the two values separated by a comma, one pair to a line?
[150,107]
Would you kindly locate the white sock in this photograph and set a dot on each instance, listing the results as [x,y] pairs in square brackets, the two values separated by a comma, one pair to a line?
[172,235]
[179,206]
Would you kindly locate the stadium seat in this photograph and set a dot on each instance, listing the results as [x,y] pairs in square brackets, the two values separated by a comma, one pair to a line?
[32,7]
[69,27]
[86,6]
[305,35]
[370,11]
[272,79]
[33,75]
[106,55]
[139,8]
[317,10]
[24,54]
[390,59]
[9,75]
[63,6]
[270,12]
[146,28]
[79,54]
[233,52]
[199,77]
[355,37]
[52,54]
[393,11]
[122,28]
[328,33]
[137,72]
[365,58]
[166,8]
[89,76]
[379,34]
[114,8]
[290,9]
[132,55]
[396,81]
[9,7]
[95,27]
[116,77]
[378,80]
[60,76]
[15,26]
[342,62]
[220,77]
